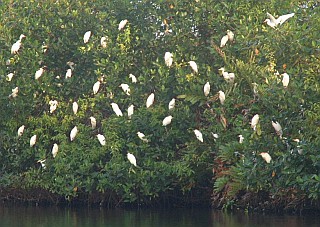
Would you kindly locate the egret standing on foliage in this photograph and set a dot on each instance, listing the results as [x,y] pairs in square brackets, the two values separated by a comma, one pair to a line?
[222,97]
[224,40]
[93,122]
[241,138]
[285,80]
[272,22]
[133,78]
[206,89]
[150,100]
[53,105]
[193,66]
[266,156]
[21,130]
[132,159]
[255,121]
[122,24]
[54,150]
[116,109]
[277,127]
[172,103]
[86,36]
[68,73]
[198,135]
[73,133]
[168,59]
[103,42]
[9,77]
[101,139]
[33,140]
[230,35]
[125,88]
[16,46]
[96,87]
[167,120]
[39,73]
[75,108]
[142,137]
[130,111]
[14,93]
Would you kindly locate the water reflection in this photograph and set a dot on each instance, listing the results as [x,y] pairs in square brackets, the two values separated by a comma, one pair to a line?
[55,216]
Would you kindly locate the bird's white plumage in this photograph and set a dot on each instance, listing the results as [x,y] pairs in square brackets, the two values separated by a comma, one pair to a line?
[122,24]
[125,88]
[73,133]
[277,127]
[102,139]
[222,97]
[198,135]
[96,87]
[33,140]
[86,36]
[9,76]
[142,137]
[241,138]
[224,40]
[93,122]
[39,73]
[17,45]
[168,59]
[172,103]
[193,66]
[206,89]
[133,78]
[103,41]
[53,105]
[132,159]
[68,73]
[273,22]
[167,120]
[21,130]
[266,156]
[130,111]
[15,92]
[230,35]
[285,80]
[150,100]
[54,150]
[255,121]
[116,109]
[75,108]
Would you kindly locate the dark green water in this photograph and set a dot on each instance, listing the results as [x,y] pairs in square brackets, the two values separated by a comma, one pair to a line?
[63,217]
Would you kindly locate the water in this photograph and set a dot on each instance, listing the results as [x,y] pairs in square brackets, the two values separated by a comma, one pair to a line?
[63,217]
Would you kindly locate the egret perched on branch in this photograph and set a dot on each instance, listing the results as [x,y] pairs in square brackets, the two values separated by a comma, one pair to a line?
[103,41]
[86,36]
[21,130]
[75,108]
[16,46]
[193,66]
[172,103]
[277,127]
[116,109]
[93,122]
[266,156]
[53,105]
[224,40]
[150,100]
[42,162]
[96,87]
[39,73]
[15,92]
[68,73]
[54,150]
[101,139]
[273,22]
[229,77]
[9,76]
[285,80]
[133,78]
[230,35]
[73,133]
[222,97]
[206,89]
[132,159]
[33,140]
[167,120]
[168,58]
[198,135]
[142,137]
[125,88]
[241,138]
[122,24]
[130,111]
[255,121]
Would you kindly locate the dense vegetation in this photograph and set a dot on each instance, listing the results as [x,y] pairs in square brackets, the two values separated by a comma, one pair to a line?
[173,163]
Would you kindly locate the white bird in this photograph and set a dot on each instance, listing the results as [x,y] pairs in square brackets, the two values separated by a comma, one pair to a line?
[230,35]
[241,138]
[33,140]
[42,162]
[215,136]
[54,150]
[75,108]
[229,77]
[68,73]
[21,130]
[15,92]
[9,76]
[224,40]
[167,120]
[172,103]
[130,111]
[285,80]
[150,100]
[116,109]
[222,97]
[122,24]
[206,89]
[101,139]
[255,121]
[53,105]
[93,122]
[142,137]
[221,71]
[86,36]
[193,66]
[96,87]
[168,58]
[125,88]
[103,42]
[277,127]
[132,159]
[17,45]
[73,133]
[133,78]
[39,73]
[272,22]
[198,135]
[266,156]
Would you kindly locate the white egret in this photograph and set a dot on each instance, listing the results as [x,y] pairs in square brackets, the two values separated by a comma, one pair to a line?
[224,40]
[9,76]
[102,139]
[142,137]
[68,73]
[215,136]
[172,103]
[86,36]
[229,77]
[198,135]
[150,100]
[122,24]
[39,73]
[93,122]
[266,156]
[53,105]
[277,127]
[15,92]
[103,41]
[33,140]
[133,78]
[125,88]
[230,35]
[116,109]
[273,22]
[167,120]
[132,159]
[54,150]
[17,45]
[168,58]
[222,97]
[255,121]
[206,89]
[241,138]
[130,111]
[96,87]
[21,130]
[285,80]
[73,133]
[193,66]
[75,108]
[42,162]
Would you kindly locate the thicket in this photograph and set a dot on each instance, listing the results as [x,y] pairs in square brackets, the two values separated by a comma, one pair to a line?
[173,161]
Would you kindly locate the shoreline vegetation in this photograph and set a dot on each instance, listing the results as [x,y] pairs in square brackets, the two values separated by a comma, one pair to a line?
[161,103]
